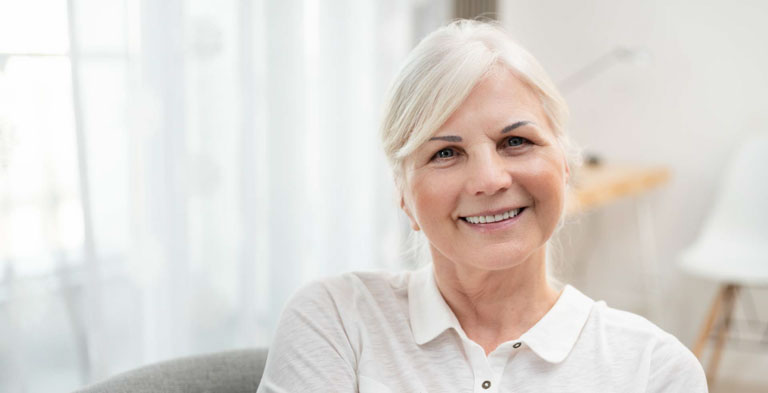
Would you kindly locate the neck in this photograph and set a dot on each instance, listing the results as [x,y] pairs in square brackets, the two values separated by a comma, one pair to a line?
[495,306]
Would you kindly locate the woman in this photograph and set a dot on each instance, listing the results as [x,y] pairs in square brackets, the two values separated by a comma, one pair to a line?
[474,131]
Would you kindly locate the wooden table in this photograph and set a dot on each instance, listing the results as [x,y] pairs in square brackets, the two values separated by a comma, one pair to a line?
[596,185]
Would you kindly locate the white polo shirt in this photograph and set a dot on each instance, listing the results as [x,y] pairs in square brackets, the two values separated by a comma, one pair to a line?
[394,332]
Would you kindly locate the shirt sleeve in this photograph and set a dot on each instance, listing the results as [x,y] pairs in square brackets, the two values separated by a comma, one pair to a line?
[311,351]
[675,369]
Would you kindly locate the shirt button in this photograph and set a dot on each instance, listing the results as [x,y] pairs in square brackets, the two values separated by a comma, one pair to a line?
[516,345]
[486,384]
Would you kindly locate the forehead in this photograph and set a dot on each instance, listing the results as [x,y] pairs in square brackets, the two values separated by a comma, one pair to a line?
[499,97]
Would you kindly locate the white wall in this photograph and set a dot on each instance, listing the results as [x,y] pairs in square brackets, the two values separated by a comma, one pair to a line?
[701,93]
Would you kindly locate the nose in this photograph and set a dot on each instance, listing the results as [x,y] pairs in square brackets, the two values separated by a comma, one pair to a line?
[488,174]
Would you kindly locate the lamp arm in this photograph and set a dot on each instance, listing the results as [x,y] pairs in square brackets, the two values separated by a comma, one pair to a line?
[593,69]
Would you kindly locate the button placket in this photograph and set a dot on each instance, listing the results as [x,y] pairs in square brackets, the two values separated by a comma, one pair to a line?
[484,378]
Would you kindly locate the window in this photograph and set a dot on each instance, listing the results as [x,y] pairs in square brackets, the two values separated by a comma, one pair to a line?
[40,212]
[41,220]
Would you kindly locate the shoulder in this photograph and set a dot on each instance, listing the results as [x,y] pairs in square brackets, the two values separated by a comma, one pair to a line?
[342,311]
[320,336]
[353,290]
[354,283]
[625,324]
[673,362]
[668,361]
[637,331]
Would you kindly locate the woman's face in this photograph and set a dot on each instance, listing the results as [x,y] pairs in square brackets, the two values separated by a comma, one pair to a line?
[488,188]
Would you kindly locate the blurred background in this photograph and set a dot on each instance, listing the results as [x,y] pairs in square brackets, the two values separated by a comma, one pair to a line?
[171,171]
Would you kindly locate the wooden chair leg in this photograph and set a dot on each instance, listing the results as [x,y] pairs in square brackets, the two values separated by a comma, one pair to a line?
[728,302]
[706,330]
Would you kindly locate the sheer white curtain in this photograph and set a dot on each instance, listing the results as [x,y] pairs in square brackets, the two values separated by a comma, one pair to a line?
[228,154]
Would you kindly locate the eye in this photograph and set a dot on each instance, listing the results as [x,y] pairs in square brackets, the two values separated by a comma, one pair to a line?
[443,154]
[514,141]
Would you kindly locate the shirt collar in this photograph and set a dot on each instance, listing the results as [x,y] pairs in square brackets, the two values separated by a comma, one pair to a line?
[429,313]
[551,338]
[554,336]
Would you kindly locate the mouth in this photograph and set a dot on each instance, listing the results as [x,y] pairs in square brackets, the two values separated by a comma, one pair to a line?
[493,218]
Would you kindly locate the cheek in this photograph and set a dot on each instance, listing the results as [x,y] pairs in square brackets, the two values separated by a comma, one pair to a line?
[546,179]
[434,197]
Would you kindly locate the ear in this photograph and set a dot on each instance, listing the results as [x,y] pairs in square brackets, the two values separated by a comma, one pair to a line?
[404,206]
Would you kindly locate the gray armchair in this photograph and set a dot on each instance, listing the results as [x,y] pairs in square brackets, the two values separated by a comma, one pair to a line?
[222,372]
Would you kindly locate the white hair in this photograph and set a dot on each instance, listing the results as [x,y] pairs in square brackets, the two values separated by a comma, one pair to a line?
[439,74]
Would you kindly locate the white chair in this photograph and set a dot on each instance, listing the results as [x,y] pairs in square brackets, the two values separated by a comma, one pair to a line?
[732,248]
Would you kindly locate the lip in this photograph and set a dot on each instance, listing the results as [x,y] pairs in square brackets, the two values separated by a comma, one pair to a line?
[495,226]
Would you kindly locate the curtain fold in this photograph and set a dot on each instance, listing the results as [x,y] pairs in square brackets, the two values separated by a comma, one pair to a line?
[233,155]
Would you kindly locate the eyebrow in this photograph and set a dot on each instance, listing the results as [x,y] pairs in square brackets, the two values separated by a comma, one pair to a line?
[515,125]
[454,138]
[447,138]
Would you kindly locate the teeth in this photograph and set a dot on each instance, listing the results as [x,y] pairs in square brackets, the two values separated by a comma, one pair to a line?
[494,218]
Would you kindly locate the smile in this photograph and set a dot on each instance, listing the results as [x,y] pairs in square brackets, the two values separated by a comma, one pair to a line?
[493,218]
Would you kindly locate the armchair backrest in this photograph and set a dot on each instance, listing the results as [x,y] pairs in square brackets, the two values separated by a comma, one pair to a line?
[222,372]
